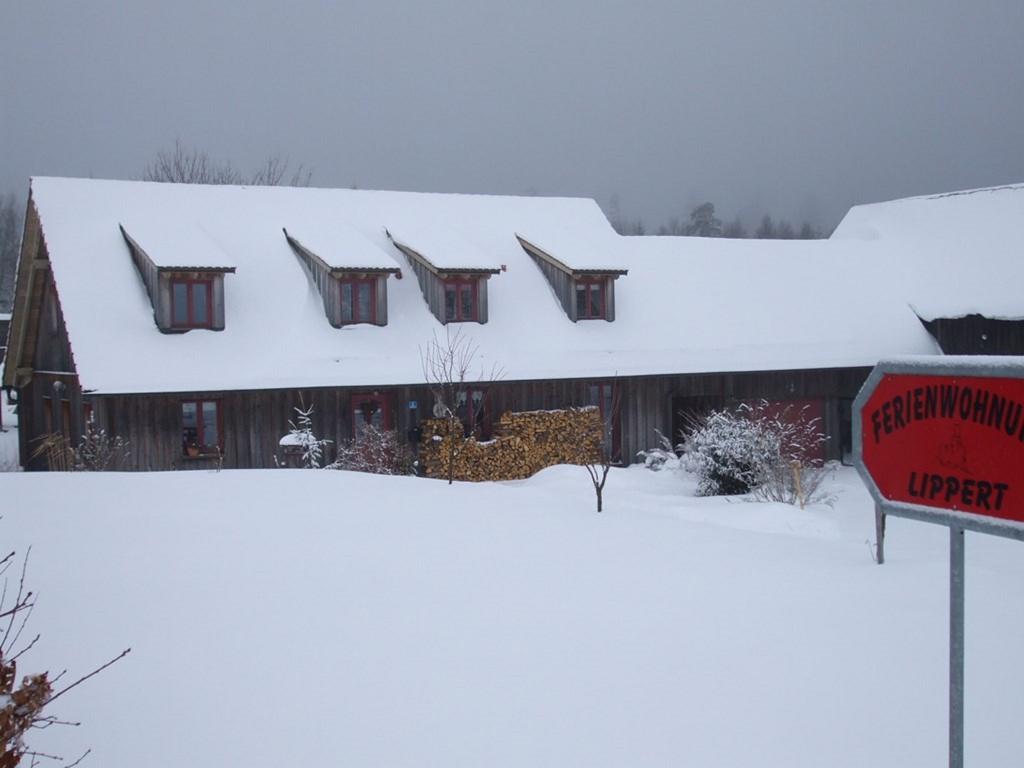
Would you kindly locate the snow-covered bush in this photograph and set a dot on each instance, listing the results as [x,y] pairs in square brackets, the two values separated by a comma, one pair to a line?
[302,439]
[729,452]
[379,451]
[98,451]
[768,451]
[665,456]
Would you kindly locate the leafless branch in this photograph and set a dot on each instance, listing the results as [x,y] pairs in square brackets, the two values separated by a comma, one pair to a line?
[190,165]
[82,679]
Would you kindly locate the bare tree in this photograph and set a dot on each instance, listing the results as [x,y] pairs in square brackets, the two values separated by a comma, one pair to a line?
[605,458]
[734,229]
[448,362]
[10,245]
[22,704]
[189,165]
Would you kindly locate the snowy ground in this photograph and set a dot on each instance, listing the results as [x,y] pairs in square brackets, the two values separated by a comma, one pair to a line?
[326,618]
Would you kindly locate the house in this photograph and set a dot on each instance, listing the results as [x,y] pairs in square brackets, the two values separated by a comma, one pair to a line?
[190,320]
[959,255]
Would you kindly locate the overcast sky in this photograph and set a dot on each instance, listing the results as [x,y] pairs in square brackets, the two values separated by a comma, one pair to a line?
[797,107]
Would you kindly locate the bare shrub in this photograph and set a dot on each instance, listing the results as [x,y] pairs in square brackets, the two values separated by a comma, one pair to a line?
[378,451]
[23,703]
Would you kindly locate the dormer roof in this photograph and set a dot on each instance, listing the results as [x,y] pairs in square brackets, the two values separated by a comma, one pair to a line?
[175,246]
[441,251]
[340,249]
[576,268]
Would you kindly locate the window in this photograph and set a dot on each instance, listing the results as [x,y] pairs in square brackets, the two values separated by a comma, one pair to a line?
[369,410]
[460,304]
[192,303]
[590,299]
[200,428]
[470,410]
[358,301]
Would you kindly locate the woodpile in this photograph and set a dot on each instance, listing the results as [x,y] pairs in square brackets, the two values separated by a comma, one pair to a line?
[524,444]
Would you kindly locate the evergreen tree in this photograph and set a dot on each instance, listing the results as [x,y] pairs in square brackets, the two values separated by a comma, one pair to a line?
[766,230]
[703,222]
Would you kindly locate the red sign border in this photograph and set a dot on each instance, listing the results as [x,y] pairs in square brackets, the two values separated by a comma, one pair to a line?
[988,367]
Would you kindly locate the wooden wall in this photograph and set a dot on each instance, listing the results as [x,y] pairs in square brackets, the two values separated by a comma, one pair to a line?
[254,421]
[978,335]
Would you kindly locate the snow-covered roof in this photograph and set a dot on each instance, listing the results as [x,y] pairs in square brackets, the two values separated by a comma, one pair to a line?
[340,246]
[687,305]
[957,253]
[175,244]
[596,250]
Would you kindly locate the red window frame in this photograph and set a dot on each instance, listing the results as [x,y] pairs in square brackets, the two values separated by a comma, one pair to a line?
[588,283]
[354,283]
[199,442]
[457,285]
[190,319]
[355,410]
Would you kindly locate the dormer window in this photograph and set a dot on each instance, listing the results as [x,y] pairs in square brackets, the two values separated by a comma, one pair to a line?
[358,300]
[191,303]
[454,288]
[183,297]
[354,284]
[460,301]
[585,291]
[590,302]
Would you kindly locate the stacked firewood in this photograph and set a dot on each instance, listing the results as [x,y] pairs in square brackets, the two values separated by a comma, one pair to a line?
[524,444]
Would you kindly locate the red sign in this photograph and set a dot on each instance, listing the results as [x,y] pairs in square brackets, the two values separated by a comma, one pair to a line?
[953,442]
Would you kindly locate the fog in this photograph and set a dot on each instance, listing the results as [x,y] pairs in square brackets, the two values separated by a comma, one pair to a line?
[795,107]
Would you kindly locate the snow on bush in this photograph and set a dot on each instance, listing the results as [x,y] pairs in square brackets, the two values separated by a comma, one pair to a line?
[379,451]
[98,451]
[758,449]
[664,456]
[302,437]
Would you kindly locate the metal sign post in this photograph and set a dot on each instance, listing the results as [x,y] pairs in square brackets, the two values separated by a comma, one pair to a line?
[943,442]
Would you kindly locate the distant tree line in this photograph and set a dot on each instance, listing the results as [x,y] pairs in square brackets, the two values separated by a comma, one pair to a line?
[190,165]
[703,222]
[10,244]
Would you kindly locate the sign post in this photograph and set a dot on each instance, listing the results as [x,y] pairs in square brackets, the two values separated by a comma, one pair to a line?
[942,441]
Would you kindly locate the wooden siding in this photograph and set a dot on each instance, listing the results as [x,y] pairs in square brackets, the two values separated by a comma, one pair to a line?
[254,421]
[978,335]
[561,283]
[33,275]
[150,277]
